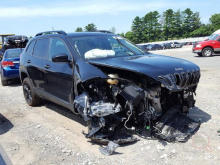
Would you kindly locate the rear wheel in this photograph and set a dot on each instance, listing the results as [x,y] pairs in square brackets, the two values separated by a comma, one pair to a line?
[207,52]
[4,82]
[30,96]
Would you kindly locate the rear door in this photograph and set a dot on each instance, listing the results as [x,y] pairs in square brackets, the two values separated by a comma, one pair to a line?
[59,75]
[35,61]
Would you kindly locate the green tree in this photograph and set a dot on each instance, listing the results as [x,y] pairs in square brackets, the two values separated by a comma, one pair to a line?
[151,27]
[196,23]
[130,36]
[203,30]
[168,21]
[136,29]
[90,27]
[215,21]
[122,34]
[78,29]
[187,22]
[177,24]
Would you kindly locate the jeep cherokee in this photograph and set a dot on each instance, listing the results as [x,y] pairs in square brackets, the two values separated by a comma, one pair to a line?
[113,85]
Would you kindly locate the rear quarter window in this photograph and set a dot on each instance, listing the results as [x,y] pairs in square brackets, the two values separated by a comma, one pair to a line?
[40,48]
[29,50]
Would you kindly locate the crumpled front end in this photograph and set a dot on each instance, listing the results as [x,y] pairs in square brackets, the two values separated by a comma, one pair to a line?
[116,107]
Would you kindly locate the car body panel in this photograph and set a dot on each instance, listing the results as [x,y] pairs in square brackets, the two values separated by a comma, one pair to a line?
[150,65]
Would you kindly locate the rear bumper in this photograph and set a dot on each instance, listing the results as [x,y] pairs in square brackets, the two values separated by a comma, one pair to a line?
[9,73]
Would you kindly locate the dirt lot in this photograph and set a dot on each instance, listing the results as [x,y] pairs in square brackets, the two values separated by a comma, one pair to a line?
[50,134]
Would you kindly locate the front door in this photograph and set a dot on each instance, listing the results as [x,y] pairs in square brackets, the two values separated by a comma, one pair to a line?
[59,75]
[217,45]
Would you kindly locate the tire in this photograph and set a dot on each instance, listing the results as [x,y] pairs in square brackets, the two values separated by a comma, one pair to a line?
[4,82]
[207,52]
[30,96]
[199,54]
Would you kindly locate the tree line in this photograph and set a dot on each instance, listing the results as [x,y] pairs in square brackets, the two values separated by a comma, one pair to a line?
[170,25]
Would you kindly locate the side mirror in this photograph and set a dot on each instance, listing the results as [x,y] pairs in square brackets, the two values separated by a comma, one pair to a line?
[60,58]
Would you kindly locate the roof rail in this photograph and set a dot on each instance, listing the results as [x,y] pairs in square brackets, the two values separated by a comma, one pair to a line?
[51,32]
[103,31]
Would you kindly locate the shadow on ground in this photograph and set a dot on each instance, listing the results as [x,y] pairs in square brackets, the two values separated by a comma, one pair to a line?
[14,83]
[5,125]
[64,111]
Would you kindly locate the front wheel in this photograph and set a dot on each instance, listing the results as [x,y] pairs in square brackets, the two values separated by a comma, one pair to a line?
[207,52]
[30,96]
[199,54]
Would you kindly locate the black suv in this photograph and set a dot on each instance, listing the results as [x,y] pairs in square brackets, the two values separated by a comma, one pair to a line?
[111,84]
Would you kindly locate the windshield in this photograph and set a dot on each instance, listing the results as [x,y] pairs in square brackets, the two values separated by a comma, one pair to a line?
[13,53]
[92,47]
[213,37]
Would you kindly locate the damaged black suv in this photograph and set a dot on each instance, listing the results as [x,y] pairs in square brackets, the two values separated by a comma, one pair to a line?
[113,85]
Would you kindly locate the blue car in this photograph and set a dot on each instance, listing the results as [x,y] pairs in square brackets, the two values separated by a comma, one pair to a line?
[10,65]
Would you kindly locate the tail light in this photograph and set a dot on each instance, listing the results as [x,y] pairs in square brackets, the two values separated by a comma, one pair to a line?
[7,63]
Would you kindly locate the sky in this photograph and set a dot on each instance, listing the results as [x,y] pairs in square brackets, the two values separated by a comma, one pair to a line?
[28,17]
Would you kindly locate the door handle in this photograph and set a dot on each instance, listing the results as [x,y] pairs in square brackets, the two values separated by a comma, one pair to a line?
[47,66]
[28,61]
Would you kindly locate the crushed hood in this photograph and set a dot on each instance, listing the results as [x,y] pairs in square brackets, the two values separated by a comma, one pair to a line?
[150,65]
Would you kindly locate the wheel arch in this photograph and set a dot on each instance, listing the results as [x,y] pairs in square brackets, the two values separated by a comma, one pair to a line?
[23,75]
[208,47]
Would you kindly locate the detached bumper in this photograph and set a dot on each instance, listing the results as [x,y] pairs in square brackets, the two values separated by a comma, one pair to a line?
[197,51]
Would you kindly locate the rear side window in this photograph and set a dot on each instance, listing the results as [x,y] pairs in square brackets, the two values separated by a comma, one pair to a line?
[29,50]
[40,48]
[13,53]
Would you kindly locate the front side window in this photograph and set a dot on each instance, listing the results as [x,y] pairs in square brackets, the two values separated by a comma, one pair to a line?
[214,37]
[57,46]
[92,47]
[40,48]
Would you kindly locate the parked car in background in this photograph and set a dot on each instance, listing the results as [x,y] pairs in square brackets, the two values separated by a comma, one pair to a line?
[176,45]
[207,48]
[10,65]
[166,45]
[143,48]
[16,41]
[189,43]
[154,47]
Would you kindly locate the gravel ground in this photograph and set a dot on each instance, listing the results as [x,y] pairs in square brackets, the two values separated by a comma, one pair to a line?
[50,134]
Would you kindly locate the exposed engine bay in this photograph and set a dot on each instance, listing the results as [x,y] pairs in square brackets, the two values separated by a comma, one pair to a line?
[117,108]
